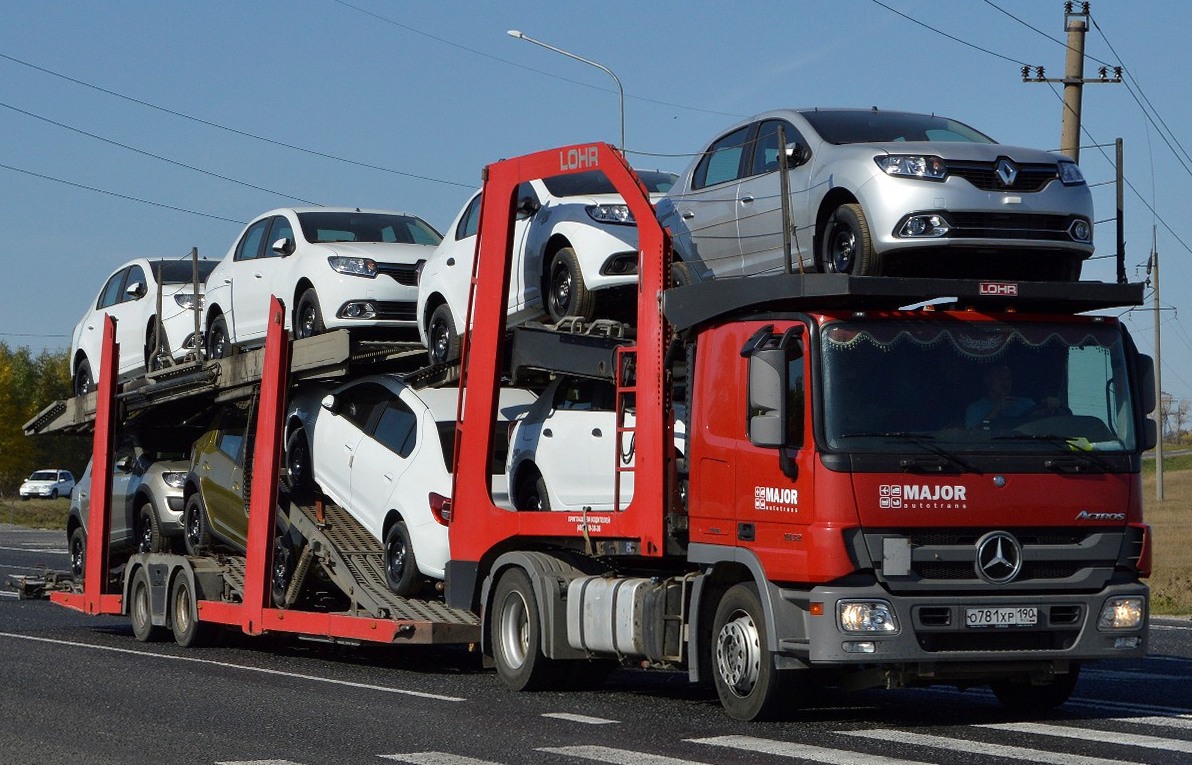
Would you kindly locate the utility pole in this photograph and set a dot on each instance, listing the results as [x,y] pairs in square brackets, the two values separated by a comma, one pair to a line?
[1153,269]
[1076,24]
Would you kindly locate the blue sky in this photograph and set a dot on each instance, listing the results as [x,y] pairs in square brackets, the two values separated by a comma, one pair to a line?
[400,104]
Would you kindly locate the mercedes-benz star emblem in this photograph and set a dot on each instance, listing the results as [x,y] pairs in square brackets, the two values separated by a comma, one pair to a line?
[1006,171]
[999,557]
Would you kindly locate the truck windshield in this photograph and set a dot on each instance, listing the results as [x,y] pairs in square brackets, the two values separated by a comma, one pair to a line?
[986,387]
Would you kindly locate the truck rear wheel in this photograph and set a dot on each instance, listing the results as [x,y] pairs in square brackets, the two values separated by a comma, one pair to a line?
[1023,697]
[189,632]
[517,636]
[140,609]
[748,683]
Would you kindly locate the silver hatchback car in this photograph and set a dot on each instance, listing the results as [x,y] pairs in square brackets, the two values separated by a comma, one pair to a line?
[878,192]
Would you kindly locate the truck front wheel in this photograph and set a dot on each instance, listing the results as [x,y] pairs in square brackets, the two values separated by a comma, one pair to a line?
[516,630]
[1023,697]
[748,683]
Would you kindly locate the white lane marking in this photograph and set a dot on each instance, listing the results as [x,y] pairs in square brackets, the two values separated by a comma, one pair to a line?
[56,550]
[802,751]
[995,750]
[1076,702]
[1112,675]
[1183,722]
[579,718]
[435,758]
[1088,734]
[7,594]
[261,670]
[1170,627]
[256,762]
[616,756]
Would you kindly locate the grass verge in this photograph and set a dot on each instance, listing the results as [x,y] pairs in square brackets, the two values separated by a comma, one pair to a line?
[36,513]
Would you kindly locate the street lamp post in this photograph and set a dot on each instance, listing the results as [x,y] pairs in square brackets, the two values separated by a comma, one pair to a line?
[601,67]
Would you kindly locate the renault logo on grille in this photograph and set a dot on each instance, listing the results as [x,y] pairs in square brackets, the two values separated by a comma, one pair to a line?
[999,557]
[1006,171]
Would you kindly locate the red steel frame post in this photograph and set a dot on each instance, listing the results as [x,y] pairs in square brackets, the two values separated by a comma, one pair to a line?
[478,525]
[94,600]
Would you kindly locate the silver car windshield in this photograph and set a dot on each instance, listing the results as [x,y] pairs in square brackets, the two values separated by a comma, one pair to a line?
[856,126]
[976,387]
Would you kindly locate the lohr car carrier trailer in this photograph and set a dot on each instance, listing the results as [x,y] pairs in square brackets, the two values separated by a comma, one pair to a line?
[862,498]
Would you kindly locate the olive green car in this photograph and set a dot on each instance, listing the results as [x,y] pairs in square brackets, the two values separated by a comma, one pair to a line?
[215,496]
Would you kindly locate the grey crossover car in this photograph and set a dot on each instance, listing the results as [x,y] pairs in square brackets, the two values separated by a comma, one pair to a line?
[878,192]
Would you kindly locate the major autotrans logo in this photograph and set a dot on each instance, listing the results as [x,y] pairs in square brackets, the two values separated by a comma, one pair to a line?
[776,499]
[922,496]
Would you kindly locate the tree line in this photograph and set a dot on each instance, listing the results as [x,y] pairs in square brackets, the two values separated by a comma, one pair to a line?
[28,384]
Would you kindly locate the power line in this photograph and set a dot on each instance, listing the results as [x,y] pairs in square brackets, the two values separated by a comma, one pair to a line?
[950,37]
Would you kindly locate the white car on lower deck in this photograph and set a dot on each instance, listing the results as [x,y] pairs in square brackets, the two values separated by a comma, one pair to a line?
[383,451]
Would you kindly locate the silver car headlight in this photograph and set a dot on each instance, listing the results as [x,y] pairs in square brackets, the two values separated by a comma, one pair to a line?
[174,479]
[1070,174]
[610,214]
[188,300]
[927,168]
[366,267]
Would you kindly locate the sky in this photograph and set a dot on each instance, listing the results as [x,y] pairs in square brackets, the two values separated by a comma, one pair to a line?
[145,129]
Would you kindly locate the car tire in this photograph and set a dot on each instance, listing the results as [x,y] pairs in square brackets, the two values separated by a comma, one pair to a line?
[53,494]
[84,381]
[140,609]
[681,274]
[188,631]
[153,359]
[149,536]
[219,342]
[78,554]
[298,465]
[566,293]
[401,567]
[284,561]
[308,316]
[442,339]
[516,636]
[846,246]
[196,530]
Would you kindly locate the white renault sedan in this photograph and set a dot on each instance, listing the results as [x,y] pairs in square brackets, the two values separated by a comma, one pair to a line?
[574,245]
[878,192]
[334,267]
[130,296]
[383,451]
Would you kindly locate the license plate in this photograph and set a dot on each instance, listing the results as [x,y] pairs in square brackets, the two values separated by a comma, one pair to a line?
[1019,616]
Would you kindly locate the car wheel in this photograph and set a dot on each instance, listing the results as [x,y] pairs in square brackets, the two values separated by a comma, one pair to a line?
[189,632]
[747,680]
[567,295]
[298,465]
[149,536]
[681,274]
[516,632]
[283,569]
[1022,697]
[219,343]
[401,568]
[140,610]
[197,532]
[442,339]
[847,247]
[78,554]
[531,492]
[308,318]
[84,381]
[53,494]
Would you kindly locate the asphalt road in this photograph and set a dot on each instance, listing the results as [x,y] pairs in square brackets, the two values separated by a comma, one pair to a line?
[80,690]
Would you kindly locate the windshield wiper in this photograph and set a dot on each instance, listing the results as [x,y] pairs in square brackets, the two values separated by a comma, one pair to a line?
[924,440]
[1073,458]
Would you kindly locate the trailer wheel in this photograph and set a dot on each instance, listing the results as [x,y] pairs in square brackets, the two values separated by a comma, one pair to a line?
[567,295]
[149,536]
[196,534]
[517,636]
[78,554]
[847,245]
[189,632]
[140,609]
[1022,697]
[401,568]
[746,679]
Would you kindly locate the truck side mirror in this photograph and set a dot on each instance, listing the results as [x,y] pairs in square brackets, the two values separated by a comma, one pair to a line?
[767,397]
[1146,379]
[1150,434]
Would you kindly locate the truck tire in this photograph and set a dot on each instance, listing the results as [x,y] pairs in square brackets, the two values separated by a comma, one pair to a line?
[149,536]
[196,533]
[140,609]
[1021,697]
[748,683]
[516,633]
[566,293]
[847,247]
[189,632]
[401,567]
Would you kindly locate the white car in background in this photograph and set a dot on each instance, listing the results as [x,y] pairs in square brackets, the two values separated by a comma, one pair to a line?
[130,296]
[48,484]
[564,453]
[383,451]
[333,267]
[574,241]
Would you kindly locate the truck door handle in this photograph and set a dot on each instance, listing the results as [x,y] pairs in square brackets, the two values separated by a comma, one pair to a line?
[747,199]
[547,432]
[687,214]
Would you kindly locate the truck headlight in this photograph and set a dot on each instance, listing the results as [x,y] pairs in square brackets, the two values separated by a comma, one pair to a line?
[1121,614]
[927,167]
[610,214]
[866,616]
[366,267]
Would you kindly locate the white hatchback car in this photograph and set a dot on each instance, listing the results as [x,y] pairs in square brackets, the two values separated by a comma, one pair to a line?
[334,267]
[48,484]
[130,296]
[383,451]
[574,239]
[563,454]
